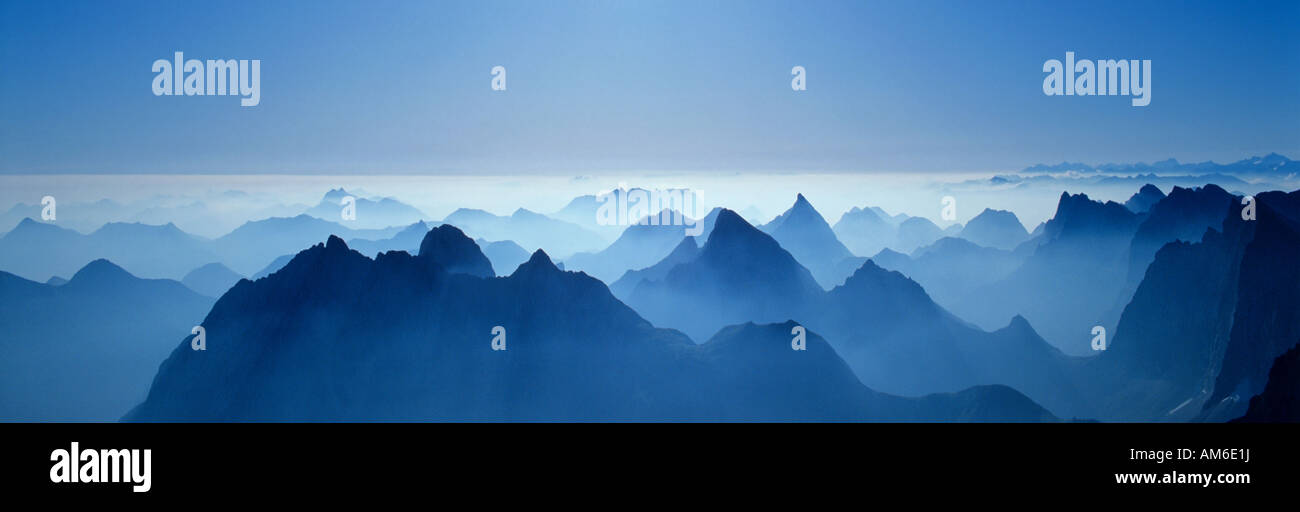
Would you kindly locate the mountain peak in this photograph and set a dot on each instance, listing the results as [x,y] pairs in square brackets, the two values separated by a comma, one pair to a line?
[539,259]
[449,247]
[730,224]
[1145,198]
[335,244]
[335,195]
[100,271]
[1019,323]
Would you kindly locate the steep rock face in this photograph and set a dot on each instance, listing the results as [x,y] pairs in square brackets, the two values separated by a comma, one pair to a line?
[1162,359]
[1265,323]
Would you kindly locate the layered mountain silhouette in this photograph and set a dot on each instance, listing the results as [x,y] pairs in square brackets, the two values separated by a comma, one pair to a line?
[1198,301]
[895,338]
[952,269]
[642,244]
[867,231]
[528,229]
[250,247]
[1074,279]
[37,250]
[408,239]
[87,350]
[401,338]
[803,232]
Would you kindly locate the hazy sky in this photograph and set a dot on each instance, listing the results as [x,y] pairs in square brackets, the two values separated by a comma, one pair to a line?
[597,87]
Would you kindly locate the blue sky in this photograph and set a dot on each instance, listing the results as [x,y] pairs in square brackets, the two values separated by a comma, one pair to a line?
[403,87]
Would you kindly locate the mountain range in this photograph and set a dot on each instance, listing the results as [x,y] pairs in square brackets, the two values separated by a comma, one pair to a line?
[400,337]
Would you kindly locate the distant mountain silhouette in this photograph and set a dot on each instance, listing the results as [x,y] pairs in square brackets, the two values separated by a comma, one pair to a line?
[87,350]
[867,231]
[252,246]
[528,229]
[405,340]
[38,250]
[376,213]
[211,280]
[641,245]
[916,232]
[407,239]
[952,269]
[998,229]
[505,255]
[803,232]
[1271,165]
[1144,199]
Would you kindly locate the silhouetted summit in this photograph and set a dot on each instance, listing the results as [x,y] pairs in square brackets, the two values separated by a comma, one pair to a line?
[448,246]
